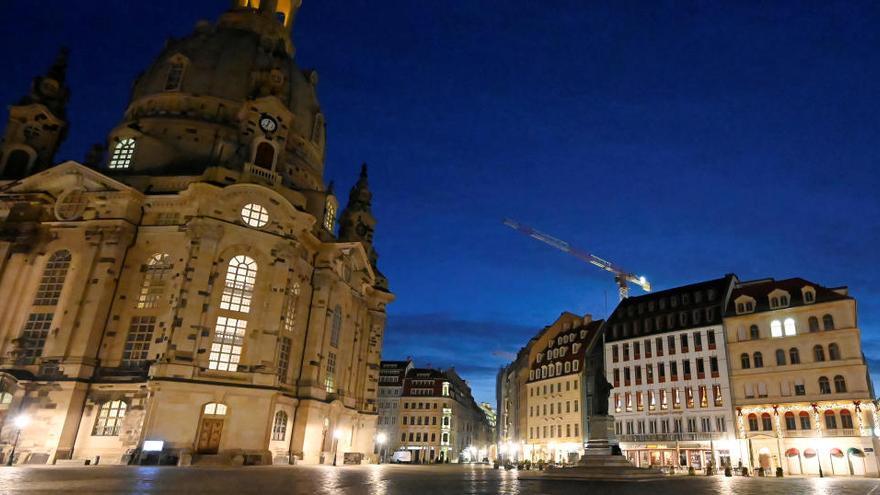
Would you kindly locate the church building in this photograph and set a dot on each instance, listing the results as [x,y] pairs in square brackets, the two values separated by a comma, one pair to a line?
[192,295]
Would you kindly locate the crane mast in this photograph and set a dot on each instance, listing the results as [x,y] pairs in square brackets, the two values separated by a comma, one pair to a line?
[621,277]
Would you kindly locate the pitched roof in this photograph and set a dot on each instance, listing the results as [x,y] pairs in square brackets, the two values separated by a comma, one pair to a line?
[760,290]
[679,308]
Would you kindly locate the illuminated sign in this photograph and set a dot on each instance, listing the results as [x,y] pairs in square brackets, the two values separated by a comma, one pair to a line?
[153,445]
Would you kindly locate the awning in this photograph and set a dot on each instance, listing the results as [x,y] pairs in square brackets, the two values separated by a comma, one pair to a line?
[837,452]
[855,452]
[809,453]
[791,453]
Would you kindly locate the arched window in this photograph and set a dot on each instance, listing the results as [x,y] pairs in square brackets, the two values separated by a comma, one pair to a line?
[49,290]
[155,276]
[238,292]
[846,421]
[109,419]
[574,365]
[804,418]
[754,333]
[766,422]
[265,155]
[794,357]
[839,384]
[814,324]
[753,422]
[744,361]
[828,322]
[17,163]
[780,357]
[568,367]
[279,428]
[775,328]
[336,326]
[758,359]
[123,153]
[558,369]
[790,423]
[790,328]
[818,353]
[824,385]
[830,420]
[833,352]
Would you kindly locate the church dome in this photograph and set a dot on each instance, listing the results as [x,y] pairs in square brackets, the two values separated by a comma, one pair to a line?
[205,99]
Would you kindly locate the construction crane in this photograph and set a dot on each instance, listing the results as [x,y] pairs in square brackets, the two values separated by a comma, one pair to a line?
[622,277]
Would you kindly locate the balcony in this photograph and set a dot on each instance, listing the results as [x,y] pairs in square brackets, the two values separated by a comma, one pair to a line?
[253,171]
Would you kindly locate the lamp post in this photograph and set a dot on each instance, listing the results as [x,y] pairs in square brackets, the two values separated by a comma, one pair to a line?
[20,422]
[337,434]
[380,439]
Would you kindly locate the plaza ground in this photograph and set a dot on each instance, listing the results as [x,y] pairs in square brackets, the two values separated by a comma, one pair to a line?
[386,480]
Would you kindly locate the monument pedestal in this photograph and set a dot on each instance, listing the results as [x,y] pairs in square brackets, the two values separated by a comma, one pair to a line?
[599,461]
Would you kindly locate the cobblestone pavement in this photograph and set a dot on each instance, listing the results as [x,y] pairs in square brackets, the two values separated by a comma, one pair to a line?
[388,480]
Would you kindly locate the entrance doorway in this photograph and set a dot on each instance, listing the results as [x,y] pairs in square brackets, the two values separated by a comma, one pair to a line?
[211,428]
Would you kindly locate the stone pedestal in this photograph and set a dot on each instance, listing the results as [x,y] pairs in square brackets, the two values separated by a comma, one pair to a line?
[599,461]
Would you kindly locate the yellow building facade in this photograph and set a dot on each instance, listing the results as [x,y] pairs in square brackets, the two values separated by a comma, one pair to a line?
[195,295]
[802,393]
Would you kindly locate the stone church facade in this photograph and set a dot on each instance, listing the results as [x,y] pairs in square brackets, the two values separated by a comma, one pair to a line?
[189,285]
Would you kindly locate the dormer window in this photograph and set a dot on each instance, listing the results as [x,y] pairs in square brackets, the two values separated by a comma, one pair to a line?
[744,304]
[779,299]
[809,295]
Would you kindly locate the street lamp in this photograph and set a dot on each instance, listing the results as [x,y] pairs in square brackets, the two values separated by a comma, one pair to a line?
[337,434]
[380,439]
[20,422]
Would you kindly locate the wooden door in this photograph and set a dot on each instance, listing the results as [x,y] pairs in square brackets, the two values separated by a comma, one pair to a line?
[209,435]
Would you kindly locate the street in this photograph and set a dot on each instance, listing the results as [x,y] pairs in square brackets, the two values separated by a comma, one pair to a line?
[386,480]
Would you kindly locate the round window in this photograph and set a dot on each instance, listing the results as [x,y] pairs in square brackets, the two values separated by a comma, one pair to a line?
[254,215]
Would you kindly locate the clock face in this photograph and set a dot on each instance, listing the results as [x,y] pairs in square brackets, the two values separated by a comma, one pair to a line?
[268,124]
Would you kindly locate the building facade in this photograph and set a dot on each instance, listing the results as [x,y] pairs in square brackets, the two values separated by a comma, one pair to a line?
[803,395]
[191,289]
[439,421]
[666,358]
[391,378]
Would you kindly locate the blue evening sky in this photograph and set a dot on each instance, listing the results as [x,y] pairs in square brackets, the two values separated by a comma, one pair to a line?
[682,140]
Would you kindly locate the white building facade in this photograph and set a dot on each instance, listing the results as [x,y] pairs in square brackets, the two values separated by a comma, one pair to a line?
[665,355]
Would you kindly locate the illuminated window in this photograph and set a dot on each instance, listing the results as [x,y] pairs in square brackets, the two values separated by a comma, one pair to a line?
[239,290]
[329,215]
[790,328]
[109,419]
[5,399]
[155,276]
[254,215]
[122,154]
[49,290]
[279,428]
[775,328]
[228,341]
[336,326]
[214,409]
[330,382]
[137,343]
